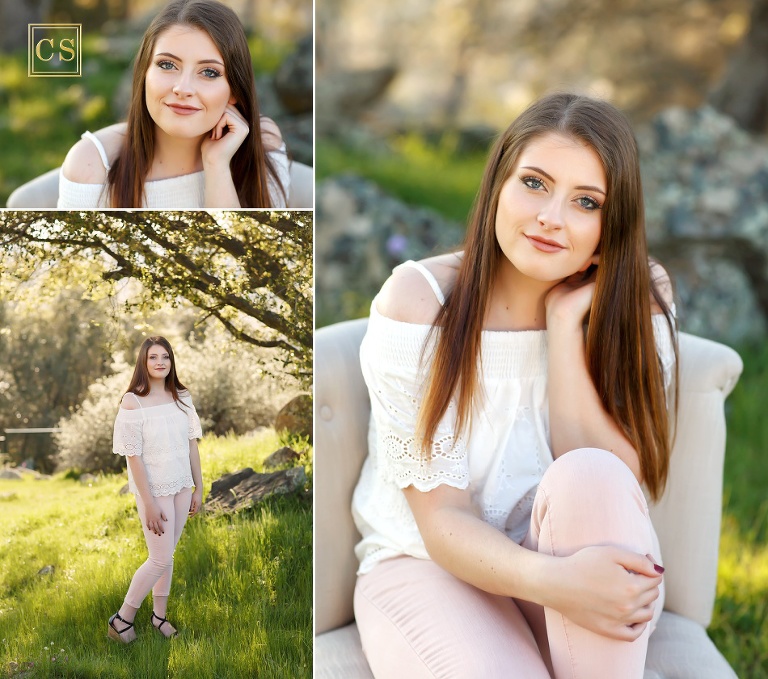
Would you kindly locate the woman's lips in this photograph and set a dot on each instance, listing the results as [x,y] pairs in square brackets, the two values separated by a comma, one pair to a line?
[182,110]
[544,245]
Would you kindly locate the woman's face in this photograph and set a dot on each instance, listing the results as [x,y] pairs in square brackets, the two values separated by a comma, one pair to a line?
[158,362]
[186,87]
[548,220]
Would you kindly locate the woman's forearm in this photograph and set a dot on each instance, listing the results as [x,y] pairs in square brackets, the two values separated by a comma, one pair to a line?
[139,476]
[475,552]
[194,463]
[577,418]
[220,191]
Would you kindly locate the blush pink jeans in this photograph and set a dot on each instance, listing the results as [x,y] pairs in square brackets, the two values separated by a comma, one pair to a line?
[416,620]
[156,572]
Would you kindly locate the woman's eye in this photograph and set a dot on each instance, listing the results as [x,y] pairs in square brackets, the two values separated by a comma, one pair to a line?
[166,65]
[588,203]
[533,182]
[211,73]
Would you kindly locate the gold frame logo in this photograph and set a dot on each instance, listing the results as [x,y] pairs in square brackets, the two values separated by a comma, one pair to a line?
[54,51]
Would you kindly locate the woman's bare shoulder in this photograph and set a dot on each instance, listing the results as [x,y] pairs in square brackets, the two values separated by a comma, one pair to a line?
[84,164]
[129,402]
[407,295]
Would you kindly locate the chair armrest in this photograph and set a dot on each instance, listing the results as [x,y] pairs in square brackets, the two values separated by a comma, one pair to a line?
[687,517]
[301,190]
[342,412]
[40,192]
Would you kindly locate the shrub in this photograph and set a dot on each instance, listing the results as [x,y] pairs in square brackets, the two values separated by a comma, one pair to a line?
[85,440]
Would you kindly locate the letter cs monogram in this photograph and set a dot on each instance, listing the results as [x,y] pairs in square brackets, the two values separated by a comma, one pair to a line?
[65,45]
[54,50]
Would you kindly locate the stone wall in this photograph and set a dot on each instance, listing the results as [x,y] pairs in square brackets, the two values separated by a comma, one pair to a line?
[706,187]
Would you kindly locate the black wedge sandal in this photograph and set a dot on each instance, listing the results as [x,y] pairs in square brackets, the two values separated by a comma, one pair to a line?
[114,633]
[159,627]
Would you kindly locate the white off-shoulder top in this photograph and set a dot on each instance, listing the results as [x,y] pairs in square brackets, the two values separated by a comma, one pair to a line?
[180,193]
[161,435]
[501,460]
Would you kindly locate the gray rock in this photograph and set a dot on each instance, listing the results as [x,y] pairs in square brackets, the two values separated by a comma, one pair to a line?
[284,455]
[269,102]
[344,96]
[46,570]
[33,473]
[124,490]
[706,188]
[10,474]
[295,417]
[88,479]
[298,133]
[365,234]
[246,488]
[294,80]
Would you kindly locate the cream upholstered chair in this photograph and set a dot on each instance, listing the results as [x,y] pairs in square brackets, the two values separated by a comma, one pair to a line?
[43,191]
[687,518]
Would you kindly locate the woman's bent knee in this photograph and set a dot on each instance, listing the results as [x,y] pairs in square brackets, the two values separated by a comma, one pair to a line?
[586,473]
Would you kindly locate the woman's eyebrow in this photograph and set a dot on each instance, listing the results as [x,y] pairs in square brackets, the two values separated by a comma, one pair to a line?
[552,179]
[202,61]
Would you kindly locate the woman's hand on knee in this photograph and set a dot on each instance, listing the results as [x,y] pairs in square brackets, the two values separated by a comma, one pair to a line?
[155,518]
[608,590]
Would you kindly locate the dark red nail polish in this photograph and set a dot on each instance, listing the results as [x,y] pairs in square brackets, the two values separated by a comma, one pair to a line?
[659,569]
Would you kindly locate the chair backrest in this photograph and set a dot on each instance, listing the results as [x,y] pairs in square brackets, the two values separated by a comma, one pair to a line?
[687,518]
[43,191]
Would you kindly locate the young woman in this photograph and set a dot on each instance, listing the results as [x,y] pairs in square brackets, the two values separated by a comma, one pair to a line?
[157,429]
[519,401]
[194,137]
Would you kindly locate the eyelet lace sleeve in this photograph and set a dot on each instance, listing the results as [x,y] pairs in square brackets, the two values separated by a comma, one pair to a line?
[395,378]
[195,428]
[127,438]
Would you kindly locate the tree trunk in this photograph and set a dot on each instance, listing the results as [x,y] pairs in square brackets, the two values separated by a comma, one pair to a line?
[743,92]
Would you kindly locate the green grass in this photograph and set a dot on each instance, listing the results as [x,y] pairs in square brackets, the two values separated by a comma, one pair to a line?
[414,170]
[242,586]
[740,622]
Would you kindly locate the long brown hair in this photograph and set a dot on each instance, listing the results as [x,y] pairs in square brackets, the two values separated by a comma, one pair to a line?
[250,165]
[140,380]
[620,346]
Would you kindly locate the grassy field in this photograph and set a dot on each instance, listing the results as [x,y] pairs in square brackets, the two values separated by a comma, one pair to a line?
[410,170]
[423,175]
[242,585]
